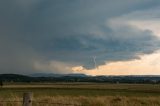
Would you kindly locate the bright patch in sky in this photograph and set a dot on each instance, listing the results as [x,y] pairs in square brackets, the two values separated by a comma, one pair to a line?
[146,65]
[152,25]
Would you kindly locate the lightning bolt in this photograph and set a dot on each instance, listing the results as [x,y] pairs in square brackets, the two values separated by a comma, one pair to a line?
[95,63]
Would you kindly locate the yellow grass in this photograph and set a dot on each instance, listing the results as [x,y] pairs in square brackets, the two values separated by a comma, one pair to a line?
[87,101]
[83,94]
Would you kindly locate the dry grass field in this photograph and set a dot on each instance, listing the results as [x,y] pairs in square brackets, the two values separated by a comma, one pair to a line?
[87,101]
[82,94]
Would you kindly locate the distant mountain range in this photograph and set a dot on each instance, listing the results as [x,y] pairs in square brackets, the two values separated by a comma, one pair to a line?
[55,75]
[49,77]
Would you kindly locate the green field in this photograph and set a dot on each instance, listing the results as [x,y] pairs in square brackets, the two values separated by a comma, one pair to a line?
[81,89]
[100,94]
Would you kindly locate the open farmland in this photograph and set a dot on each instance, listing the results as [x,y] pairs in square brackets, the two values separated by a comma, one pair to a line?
[95,94]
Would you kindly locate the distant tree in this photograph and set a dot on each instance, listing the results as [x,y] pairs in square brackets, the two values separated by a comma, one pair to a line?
[1,83]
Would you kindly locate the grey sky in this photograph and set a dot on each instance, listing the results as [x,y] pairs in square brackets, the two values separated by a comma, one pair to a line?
[44,35]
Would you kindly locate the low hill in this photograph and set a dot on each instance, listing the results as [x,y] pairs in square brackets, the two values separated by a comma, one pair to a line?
[78,78]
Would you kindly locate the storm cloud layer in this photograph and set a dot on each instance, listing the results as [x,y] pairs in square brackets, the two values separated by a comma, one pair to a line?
[55,35]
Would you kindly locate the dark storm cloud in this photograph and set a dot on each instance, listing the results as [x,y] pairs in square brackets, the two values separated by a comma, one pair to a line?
[69,31]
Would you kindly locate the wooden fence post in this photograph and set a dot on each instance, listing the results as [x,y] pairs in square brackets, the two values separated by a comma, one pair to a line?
[27,99]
